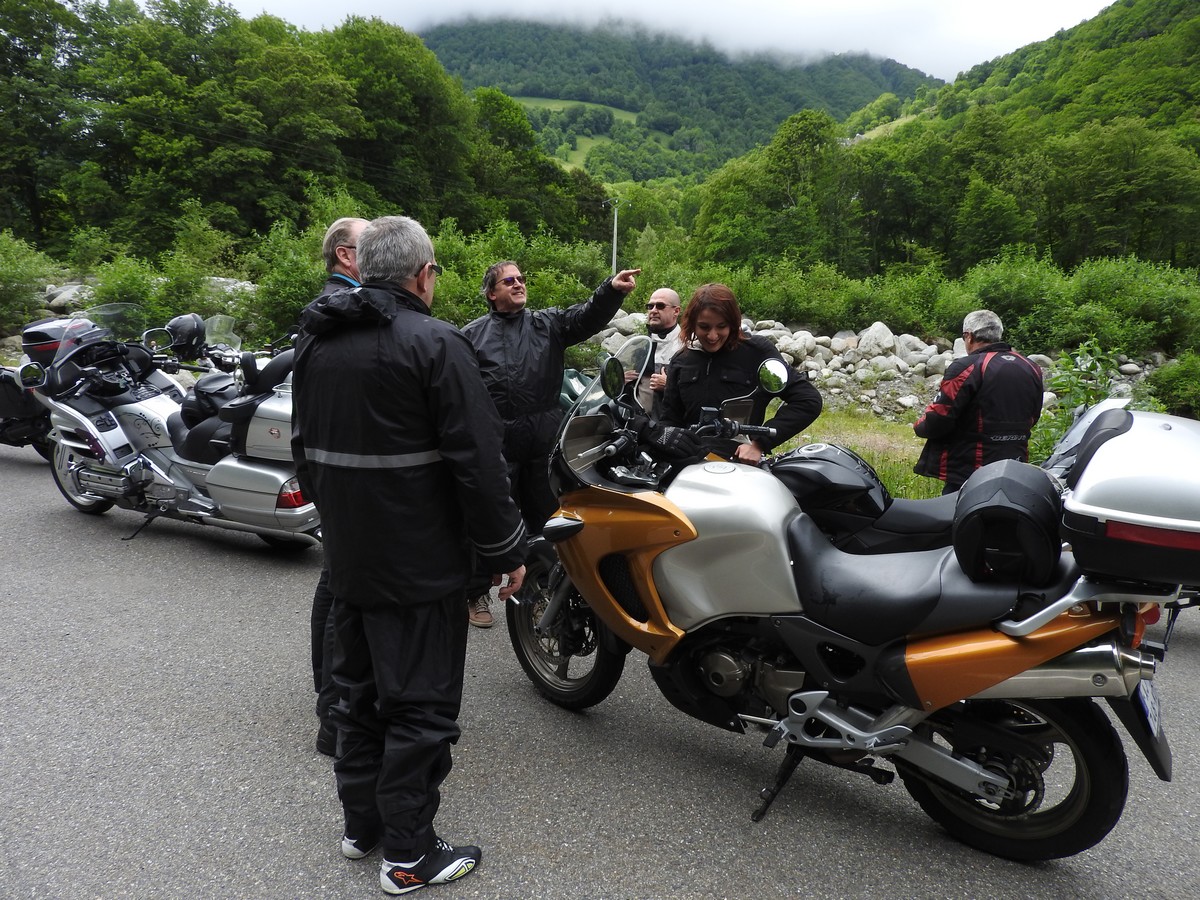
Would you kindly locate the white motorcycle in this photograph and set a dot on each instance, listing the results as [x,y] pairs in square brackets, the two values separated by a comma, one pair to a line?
[125,435]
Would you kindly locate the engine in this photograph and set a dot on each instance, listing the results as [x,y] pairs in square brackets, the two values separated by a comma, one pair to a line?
[728,672]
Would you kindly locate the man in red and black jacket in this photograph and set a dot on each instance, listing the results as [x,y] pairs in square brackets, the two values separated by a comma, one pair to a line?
[985,409]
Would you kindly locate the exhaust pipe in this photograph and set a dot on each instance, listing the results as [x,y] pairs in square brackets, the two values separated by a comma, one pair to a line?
[1102,670]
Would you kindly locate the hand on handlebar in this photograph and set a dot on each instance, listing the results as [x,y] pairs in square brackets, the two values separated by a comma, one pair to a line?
[669,440]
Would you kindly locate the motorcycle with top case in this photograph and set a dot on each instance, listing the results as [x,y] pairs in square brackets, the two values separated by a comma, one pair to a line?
[972,671]
[125,434]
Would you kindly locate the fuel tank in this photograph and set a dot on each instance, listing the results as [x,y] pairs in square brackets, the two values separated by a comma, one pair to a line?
[739,562]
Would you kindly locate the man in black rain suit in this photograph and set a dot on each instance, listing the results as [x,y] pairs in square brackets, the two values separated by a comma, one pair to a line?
[521,355]
[340,251]
[398,443]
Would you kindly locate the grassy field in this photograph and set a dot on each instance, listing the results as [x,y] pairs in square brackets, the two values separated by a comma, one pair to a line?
[890,447]
[621,115]
[575,159]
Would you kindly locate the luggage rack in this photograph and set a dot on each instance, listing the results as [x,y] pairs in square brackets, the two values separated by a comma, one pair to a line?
[1089,590]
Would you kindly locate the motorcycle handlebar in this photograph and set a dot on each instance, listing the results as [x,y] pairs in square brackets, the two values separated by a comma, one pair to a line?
[727,428]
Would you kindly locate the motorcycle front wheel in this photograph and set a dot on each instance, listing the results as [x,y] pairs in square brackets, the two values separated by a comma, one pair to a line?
[571,664]
[1065,764]
[62,459]
[44,447]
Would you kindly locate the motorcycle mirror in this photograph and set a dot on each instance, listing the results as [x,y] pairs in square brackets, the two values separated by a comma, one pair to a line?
[612,377]
[773,375]
[32,375]
[157,338]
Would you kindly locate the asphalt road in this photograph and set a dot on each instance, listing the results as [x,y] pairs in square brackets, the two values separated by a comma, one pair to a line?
[156,741]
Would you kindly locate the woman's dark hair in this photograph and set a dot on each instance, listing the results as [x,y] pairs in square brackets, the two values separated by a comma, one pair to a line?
[720,299]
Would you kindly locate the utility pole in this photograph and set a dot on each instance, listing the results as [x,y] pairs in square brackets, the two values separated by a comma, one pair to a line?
[616,203]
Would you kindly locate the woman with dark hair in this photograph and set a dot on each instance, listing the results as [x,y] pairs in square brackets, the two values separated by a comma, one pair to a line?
[721,363]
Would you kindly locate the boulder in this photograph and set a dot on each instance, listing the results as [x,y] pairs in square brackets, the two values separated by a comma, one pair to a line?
[877,340]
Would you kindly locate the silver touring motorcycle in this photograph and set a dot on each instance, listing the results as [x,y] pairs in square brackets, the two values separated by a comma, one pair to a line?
[125,434]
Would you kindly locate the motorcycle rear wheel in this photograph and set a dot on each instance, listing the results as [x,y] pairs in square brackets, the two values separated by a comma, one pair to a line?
[62,459]
[1069,796]
[589,670]
[284,545]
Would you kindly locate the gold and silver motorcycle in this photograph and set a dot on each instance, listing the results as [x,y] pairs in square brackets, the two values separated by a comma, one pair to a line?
[972,671]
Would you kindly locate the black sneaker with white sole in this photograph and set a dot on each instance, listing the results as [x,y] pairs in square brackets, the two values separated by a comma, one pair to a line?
[357,848]
[441,864]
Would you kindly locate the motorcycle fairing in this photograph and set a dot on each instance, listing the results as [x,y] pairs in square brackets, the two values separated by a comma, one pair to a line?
[950,667]
[637,528]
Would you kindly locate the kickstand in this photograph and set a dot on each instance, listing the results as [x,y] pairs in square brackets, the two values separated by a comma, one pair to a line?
[149,518]
[791,759]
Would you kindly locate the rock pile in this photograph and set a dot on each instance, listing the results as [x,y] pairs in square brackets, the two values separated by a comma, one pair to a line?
[894,376]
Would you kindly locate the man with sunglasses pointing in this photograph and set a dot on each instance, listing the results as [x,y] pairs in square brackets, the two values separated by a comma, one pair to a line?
[521,354]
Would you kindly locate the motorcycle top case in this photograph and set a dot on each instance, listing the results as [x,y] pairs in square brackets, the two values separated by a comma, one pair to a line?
[40,340]
[1133,511]
[1006,524]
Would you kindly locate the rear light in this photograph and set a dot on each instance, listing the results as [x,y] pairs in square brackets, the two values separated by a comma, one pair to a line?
[1155,537]
[290,496]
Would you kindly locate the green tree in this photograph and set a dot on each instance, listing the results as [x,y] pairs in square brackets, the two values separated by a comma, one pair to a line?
[988,219]
[37,51]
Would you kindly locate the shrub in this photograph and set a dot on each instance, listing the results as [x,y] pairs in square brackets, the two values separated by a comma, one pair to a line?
[23,273]
[1145,306]
[289,272]
[1081,378]
[126,279]
[1027,293]
[1177,385]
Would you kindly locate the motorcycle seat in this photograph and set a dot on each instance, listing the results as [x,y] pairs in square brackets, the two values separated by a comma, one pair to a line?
[207,442]
[934,517]
[888,596]
[264,380]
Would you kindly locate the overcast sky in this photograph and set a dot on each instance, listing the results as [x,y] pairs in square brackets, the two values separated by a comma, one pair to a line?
[939,37]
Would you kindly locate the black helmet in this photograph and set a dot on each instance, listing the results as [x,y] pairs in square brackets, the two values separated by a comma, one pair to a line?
[187,336]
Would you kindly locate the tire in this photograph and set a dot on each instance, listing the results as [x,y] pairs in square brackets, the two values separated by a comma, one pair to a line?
[1068,798]
[286,546]
[44,447]
[574,680]
[62,459]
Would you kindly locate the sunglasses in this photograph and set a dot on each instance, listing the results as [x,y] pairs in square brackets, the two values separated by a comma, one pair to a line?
[657,305]
[437,270]
[511,280]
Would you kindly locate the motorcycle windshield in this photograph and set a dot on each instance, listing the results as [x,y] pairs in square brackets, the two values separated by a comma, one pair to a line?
[110,324]
[219,333]
[588,423]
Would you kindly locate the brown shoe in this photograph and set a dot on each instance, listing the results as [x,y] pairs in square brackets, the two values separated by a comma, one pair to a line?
[478,613]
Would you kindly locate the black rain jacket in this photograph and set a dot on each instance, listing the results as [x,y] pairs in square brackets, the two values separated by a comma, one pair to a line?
[521,357]
[696,378]
[397,442]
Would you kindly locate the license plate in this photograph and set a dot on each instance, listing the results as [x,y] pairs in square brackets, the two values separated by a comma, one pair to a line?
[1146,699]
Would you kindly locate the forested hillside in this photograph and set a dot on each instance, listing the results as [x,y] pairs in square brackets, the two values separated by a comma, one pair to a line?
[117,120]
[1059,185]
[708,106]
[1081,146]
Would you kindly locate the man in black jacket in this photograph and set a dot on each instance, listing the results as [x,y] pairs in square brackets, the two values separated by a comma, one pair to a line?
[521,354]
[985,408]
[397,442]
[340,251]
